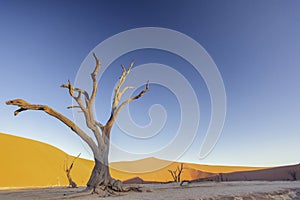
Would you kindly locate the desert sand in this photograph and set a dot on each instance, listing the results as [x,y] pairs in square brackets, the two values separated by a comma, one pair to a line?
[29,163]
[287,190]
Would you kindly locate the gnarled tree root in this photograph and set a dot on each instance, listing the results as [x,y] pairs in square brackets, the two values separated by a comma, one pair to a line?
[113,188]
[116,187]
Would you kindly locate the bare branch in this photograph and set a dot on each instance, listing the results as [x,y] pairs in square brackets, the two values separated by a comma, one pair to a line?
[89,120]
[69,107]
[94,78]
[123,68]
[76,89]
[24,105]
[100,125]
[124,90]
[118,94]
[18,111]
[122,79]
[117,111]
[132,98]
[71,92]
[174,176]
[89,115]
[71,166]
[88,108]
[130,67]
[79,91]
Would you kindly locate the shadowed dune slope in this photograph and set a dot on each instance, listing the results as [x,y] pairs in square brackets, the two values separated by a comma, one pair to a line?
[284,173]
[190,171]
[29,163]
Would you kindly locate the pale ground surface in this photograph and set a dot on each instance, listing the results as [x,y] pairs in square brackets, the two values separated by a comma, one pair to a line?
[208,190]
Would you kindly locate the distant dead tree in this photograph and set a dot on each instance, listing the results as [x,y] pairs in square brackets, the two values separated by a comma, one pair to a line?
[68,172]
[100,181]
[293,174]
[221,177]
[176,174]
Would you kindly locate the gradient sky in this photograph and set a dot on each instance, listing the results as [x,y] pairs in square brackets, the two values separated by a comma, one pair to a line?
[255,45]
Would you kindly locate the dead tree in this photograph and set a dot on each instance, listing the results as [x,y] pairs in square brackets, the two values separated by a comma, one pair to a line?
[220,177]
[173,174]
[100,181]
[179,168]
[72,184]
[176,174]
[293,174]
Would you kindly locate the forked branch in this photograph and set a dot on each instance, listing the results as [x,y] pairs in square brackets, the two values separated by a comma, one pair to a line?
[77,97]
[94,78]
[176,174]
[122,79]
[131,99]
[24,105]
[87,109]
[116,108]
[173,174]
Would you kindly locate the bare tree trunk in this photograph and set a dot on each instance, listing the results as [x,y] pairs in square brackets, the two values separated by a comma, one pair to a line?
[72,184]
[100,175]
[179,172]
[68,171]
[101,181]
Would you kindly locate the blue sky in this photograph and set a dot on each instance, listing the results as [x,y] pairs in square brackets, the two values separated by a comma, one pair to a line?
[255,45]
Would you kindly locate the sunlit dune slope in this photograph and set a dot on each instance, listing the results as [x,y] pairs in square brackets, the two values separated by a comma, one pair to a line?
[26,162]
[29,163]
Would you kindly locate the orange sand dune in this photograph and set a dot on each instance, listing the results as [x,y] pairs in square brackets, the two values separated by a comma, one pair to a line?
[29,163]
[26,162]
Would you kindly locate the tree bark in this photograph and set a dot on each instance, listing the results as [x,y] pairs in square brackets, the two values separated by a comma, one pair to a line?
[101,181]
[72,184]
[100,175]
[68,171]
